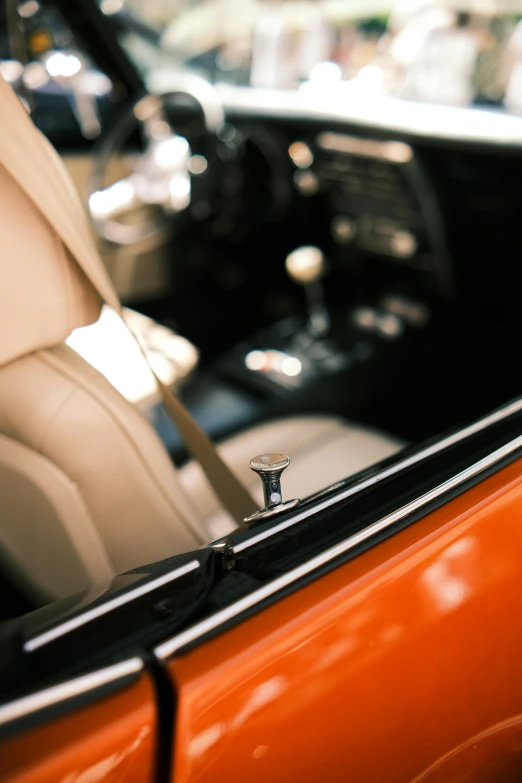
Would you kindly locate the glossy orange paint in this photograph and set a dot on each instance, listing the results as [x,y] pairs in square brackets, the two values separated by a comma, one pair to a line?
[402,665]
[110,741]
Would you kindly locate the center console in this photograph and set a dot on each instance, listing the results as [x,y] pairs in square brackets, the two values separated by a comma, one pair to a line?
[369,291]
[287,363]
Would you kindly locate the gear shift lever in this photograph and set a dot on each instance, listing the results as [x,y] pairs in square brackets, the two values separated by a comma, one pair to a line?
[306,266]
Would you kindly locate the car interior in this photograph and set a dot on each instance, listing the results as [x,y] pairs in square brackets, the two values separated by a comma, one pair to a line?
[309,281]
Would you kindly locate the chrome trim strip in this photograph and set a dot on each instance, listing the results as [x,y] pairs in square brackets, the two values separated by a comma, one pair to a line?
[435,448]
[391,151]
[49,697]
[168,648]
[99,611]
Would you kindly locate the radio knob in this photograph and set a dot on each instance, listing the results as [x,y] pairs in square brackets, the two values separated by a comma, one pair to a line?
[404,244]
[343,229]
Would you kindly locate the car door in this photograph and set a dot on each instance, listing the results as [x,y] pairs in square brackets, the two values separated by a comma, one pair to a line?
[101,726]
[367,636]
[401,665]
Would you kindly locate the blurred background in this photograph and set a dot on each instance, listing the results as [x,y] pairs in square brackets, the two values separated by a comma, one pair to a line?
[448,52]
[466,52]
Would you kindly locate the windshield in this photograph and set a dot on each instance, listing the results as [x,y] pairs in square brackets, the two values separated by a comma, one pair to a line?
[459,53]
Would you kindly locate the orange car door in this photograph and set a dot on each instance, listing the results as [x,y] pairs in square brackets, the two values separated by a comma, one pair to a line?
[401,665]
[98,727]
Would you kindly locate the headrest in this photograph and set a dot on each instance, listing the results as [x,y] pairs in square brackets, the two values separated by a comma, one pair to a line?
[44,294]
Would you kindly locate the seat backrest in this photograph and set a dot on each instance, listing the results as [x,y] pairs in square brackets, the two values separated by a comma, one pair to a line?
[87,489]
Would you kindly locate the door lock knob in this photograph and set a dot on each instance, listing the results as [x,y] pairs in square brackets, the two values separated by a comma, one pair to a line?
[269,467]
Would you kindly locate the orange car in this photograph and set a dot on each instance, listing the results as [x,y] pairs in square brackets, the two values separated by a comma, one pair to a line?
[327,286]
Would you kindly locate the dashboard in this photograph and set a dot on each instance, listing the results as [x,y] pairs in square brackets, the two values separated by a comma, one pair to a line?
[381,201]
[431,219]
[418,200]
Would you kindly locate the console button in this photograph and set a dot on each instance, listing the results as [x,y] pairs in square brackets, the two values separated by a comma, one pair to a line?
[343,229]
[403,244]
[306,182]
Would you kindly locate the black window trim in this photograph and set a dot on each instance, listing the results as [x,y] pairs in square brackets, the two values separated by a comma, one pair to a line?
[328,558]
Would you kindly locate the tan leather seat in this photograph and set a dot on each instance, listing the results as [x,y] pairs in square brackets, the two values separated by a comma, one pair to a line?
[86,488]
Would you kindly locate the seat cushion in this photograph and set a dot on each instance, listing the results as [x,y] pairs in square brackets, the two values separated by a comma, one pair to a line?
[99,465]
[322,450]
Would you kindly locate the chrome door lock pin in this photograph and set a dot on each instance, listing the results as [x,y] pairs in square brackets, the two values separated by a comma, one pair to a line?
[269,467]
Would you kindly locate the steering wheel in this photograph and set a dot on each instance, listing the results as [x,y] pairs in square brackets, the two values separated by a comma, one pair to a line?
[155,186]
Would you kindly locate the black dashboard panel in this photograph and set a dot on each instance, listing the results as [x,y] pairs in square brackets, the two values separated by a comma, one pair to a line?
[381,202]
[458,207]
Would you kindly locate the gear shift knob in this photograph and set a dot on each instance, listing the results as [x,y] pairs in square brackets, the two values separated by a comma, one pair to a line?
[306,266]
